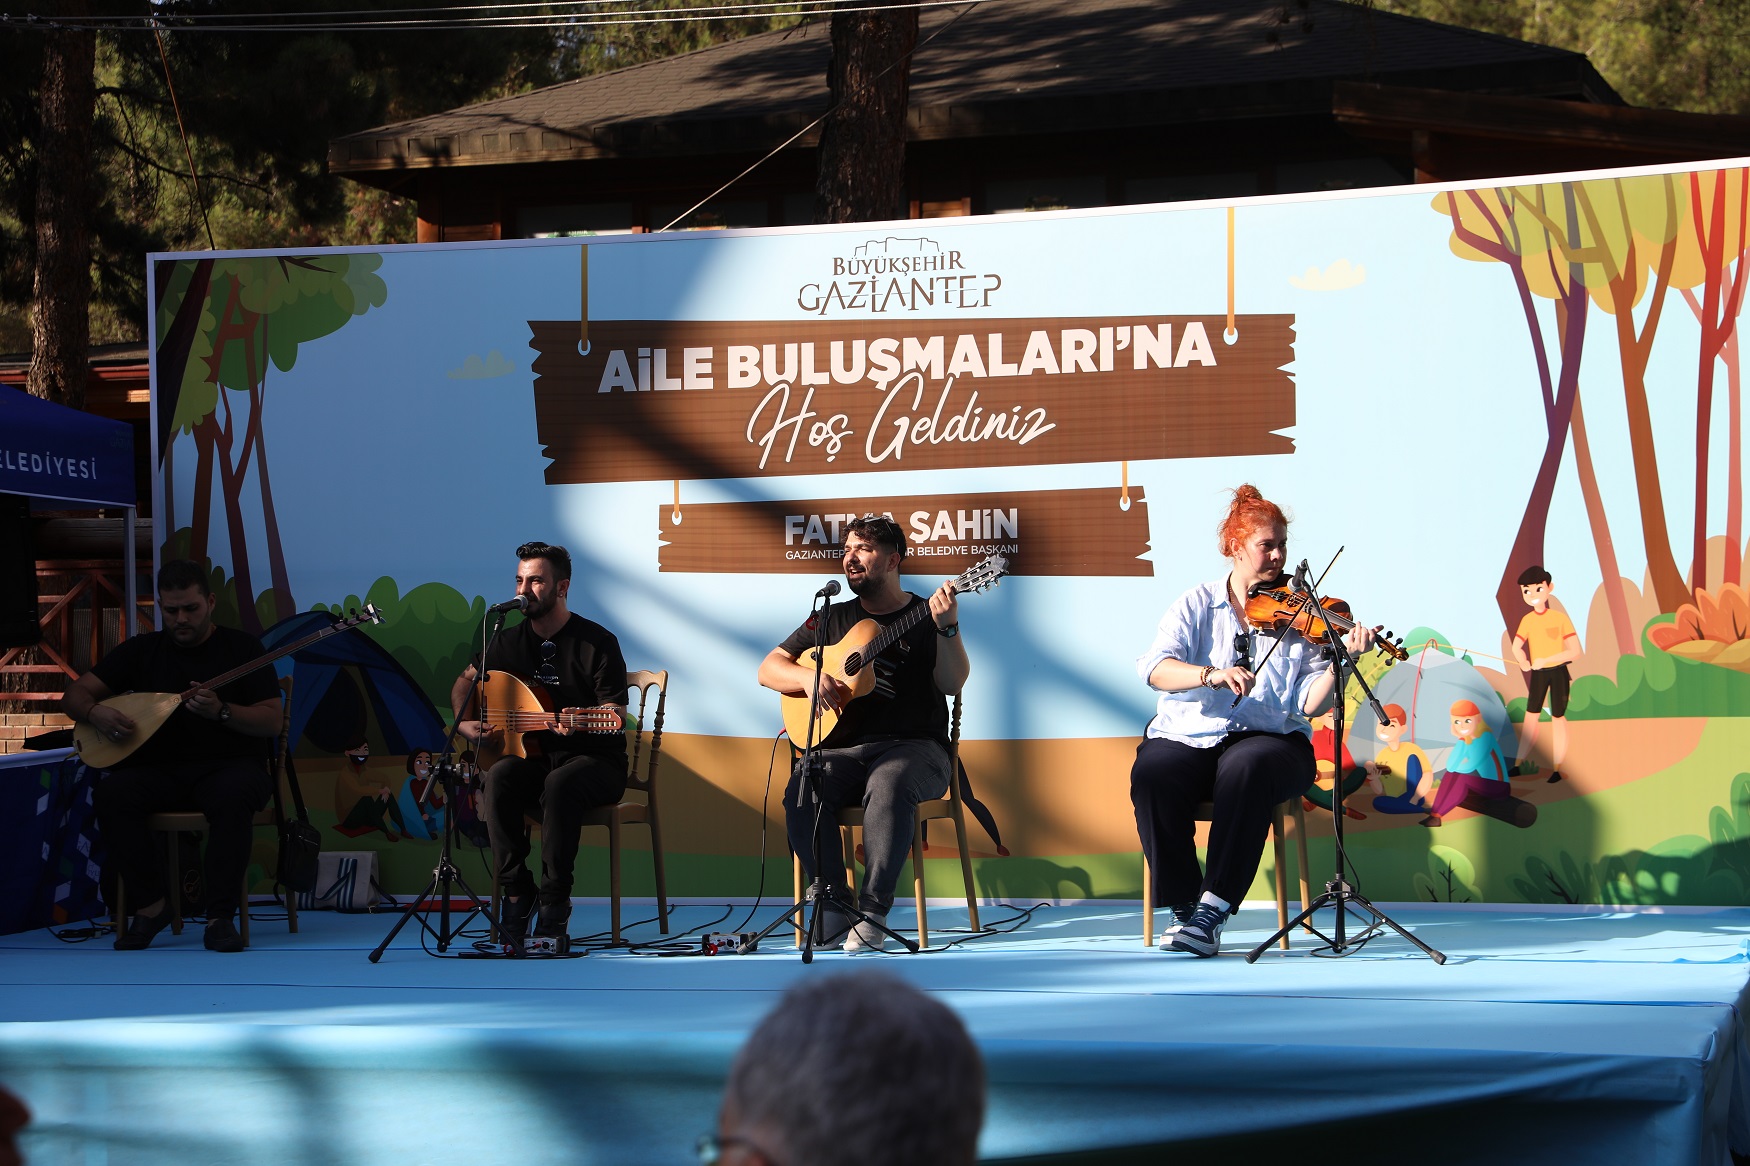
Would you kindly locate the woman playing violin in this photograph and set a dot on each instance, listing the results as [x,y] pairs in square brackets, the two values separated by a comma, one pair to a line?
[1202,745]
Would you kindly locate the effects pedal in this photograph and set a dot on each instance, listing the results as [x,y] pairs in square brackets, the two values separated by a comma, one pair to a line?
[547,945]
[729,943]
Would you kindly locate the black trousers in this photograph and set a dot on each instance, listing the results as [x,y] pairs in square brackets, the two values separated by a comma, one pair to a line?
[230,792]
[559,795]
[1245,776]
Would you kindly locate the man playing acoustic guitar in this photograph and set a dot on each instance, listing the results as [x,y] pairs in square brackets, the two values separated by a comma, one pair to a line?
[567,772]
[210,755]
[889,749]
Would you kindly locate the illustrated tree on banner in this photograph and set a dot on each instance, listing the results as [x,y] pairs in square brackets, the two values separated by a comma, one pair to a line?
[221,323]
[1620,242]
[1524,228]
[1711,263]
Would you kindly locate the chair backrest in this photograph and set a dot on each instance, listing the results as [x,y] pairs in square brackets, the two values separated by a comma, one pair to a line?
[646,743]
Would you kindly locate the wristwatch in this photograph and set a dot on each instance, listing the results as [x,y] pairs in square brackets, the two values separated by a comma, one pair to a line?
[224,711]
[950,631]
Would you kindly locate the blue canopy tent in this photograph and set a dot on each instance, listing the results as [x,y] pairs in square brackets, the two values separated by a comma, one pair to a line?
[404,712]
[52,452]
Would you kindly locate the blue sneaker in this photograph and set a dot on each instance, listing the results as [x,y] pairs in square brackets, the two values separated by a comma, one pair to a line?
[1201,934]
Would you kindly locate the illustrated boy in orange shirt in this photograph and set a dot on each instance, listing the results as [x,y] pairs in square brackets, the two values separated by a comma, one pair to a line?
[1545,644]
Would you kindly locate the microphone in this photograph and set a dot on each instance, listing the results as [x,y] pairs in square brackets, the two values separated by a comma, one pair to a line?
[832,588]
[1300,582]
[514,603]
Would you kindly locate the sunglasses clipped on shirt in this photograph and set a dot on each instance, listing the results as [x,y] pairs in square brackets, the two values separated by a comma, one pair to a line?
[548,673]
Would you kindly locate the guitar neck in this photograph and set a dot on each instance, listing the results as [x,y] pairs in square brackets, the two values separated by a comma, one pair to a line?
[890,634]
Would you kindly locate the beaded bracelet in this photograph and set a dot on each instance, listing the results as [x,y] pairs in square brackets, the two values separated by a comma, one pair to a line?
[1203,680]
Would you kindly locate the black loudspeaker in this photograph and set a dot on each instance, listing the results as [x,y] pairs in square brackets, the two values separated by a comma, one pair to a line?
[18,611]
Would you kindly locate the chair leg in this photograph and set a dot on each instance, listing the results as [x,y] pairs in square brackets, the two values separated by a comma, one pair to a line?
[661,880]
[243,911]
[848,836]
[796,893]
[1148,905]
[175,881]
[492,922]
[1299,816]
[1281,874]
[614,876]
[292,911]
[966,873]
[917,881]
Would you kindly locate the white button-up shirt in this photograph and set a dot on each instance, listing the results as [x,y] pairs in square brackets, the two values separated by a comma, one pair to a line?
[1199,629]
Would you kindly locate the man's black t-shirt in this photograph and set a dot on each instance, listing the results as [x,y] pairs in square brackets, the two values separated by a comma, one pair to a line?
[155,662]
[905,702]
[584,668]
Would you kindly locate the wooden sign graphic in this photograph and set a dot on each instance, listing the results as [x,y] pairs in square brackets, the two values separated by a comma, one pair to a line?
[662,399]
[1043,532]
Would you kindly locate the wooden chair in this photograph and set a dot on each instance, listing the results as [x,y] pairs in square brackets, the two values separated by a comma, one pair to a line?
[644,753]
[950,808]
[192,821]
[1206,812]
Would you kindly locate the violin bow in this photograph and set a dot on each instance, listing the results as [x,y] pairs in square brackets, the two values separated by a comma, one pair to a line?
[1277,642]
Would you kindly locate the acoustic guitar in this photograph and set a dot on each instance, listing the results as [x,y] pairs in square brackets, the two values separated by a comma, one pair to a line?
[514,706]
[850,660]
[149,710]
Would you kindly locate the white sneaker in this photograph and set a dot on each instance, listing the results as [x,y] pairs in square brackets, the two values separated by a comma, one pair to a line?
[866,936]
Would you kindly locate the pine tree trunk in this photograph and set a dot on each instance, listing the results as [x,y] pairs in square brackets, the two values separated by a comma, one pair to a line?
[60,324]
[862,144]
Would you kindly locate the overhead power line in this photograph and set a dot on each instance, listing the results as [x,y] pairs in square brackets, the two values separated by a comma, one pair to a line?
[590,14]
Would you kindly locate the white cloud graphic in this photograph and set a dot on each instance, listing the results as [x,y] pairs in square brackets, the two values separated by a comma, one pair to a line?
[1336,277]
[475,369]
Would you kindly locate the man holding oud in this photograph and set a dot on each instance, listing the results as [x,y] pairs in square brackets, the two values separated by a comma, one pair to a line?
[210,755]
[556,773]
[889,748]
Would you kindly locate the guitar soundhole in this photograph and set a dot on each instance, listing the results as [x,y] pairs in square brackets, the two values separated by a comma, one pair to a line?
[853,663]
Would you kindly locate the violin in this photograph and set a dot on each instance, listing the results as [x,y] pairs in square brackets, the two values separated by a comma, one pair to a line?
[1280,608]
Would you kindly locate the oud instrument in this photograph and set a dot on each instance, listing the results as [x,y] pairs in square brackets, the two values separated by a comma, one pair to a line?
[850,660]
[149,710]
[515,706]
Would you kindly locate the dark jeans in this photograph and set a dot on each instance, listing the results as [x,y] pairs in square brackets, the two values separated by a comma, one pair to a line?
[560,796]
[889,779]
[230,792]
[1246,775]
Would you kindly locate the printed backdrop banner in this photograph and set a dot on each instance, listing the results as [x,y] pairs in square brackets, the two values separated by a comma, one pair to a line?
[668,399]
[1081,392]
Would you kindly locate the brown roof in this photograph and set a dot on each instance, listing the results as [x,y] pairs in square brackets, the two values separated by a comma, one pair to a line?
[1003,66]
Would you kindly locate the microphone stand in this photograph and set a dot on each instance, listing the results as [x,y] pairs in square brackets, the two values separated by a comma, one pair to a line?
[445,872]
[821,890]
[1338,892]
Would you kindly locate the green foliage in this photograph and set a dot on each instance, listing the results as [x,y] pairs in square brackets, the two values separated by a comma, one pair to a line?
[1667,54]
[1575,882]
[432,631]
[1450,878]
[259,111]
[600,50]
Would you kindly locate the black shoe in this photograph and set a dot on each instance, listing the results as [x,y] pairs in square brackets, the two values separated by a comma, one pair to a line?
[141,929]
[552,929]
[1555,776]
[222,936]
[513,921]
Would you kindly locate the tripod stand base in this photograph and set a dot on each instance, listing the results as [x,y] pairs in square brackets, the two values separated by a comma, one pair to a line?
[818,896]
[1338,894]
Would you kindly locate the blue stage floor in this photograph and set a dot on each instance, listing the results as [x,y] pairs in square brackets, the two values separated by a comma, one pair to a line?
[1548,1036]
